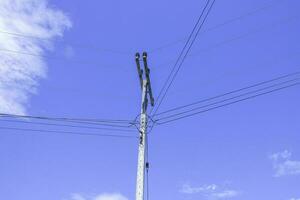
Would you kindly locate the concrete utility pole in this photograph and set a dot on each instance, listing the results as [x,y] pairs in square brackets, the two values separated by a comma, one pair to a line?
[146,90]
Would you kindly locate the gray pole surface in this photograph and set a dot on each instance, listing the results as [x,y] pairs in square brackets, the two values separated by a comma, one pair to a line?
[142,144]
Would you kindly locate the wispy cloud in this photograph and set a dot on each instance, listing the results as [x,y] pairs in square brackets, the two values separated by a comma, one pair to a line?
[188,189]
[284,165]
[20,73]
[226,194]
[295,199]
[211,191]
[105,196]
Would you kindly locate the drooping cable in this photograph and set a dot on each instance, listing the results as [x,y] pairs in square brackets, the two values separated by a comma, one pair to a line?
[64,125]
[183,55]
[67,132]
[256,10]
[295,74]
[55,58]
[91,47]
[226,104]
[238,37]
[68,119]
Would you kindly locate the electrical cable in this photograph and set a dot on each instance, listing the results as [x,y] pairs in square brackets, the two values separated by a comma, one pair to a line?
[227,104]
[66,118]
[247,34]
[67,132]
[231,98]
[65,125]
[80,46]
[238,37]
[185,55]
[229,93]
[61,59]
[181,53]
[95,122]
[232,20]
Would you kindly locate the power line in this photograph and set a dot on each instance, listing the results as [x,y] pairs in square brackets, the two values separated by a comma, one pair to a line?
[95,48]
[238,37]
[181,53]
[242,36]
[165,84]
[90,123]
[230,21]
[85,62]
[65,125]
[81,46]
[227,104]
[67,118]
[61,59]
[96,122]
[228,93]
[184,54]
[68,132]
[231,98]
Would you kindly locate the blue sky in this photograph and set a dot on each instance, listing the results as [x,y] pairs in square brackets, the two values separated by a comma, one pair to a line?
[245,151]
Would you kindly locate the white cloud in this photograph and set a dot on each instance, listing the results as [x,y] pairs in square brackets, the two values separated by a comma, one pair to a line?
[210,191]
[20,73]
[188,189]
[281,155]
[283,165]
[226,194]
[295,199]
[110,197]
[105,196]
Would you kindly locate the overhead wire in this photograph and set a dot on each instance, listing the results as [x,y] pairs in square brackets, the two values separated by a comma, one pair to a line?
[242,36]
[182,51]
[64,125]
[67,118]
[191,113]
[95,122]
[183,54]
[231,98]
[230,21]
[81,46]
[238,37]
[85,62]
[55,58]
[269,4]
[231,40]
[227,93]
[130,126]
[68,132]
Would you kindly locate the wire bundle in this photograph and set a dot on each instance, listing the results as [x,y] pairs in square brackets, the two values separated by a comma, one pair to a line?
[229,98]
[67,125]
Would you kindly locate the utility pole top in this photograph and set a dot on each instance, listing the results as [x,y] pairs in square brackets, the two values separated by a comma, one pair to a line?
[140,71]
[146,75]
